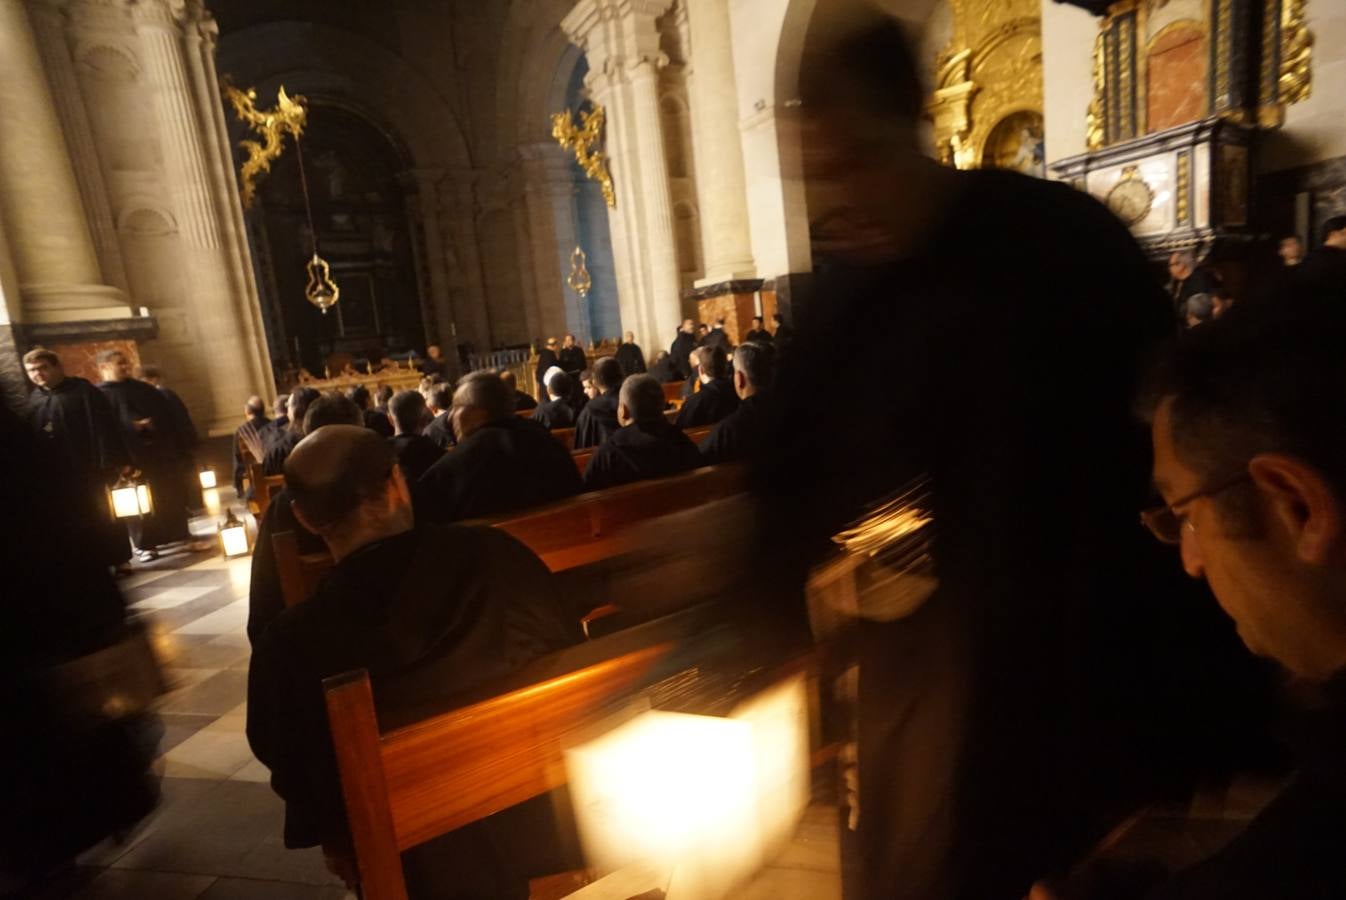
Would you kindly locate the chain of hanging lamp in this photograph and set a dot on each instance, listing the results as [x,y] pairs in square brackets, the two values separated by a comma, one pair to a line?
[321,290]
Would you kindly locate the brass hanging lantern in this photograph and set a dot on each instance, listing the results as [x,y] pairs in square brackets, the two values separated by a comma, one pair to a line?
[579,280]
[233,537]
[130,498]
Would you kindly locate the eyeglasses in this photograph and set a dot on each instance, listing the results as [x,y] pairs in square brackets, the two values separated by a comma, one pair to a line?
[1166,522]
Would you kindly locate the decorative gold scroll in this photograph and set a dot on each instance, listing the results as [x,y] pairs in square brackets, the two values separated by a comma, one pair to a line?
[1095,131]
[584,140]
[1296,79]
[288,115]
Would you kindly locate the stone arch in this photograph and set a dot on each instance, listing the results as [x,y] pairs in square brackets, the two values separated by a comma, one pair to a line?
[146,219]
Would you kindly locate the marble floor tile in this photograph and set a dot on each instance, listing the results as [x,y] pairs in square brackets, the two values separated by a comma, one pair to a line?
[252,889]
[227,619]
[211,836]
[253,771]
[178,728]
[213,752]
[201,651]
[214,696]
[179,798]
[114,884]
[171,597]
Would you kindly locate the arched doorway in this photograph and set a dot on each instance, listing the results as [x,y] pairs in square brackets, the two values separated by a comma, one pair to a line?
[358,196]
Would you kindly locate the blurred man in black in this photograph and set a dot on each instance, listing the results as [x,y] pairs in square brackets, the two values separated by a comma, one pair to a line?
[630,356]
[434,609]
[571,359]
[439,400]
[374,420]
[1290,250]
[646,446]
[716,399]
[1186,280]
[415,452]
[684,342]
[757,333]
[280,421]
[739,435]
[1323,272]
[546,358]
[663,369]
[1002,708]
[717,337]
[286,440]
[598,419]
[522,402]
[502,463]
[248,440]
[556,412]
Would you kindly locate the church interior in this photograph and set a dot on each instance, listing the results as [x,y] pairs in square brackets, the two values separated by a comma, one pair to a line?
[698,338]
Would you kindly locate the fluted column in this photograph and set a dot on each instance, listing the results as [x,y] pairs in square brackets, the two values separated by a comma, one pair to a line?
[474,316]
[621,43]
[721,188]
[228,346]
[427,195]
[543,163]
[48,235]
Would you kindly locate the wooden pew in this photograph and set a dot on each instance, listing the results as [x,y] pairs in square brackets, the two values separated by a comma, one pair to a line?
[673,392]
[566,436]
[582,457]
[263,487]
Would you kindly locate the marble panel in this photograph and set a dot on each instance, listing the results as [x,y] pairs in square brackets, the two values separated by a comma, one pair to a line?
[1201,172]
[1175,90]
[737,310]
[77,358]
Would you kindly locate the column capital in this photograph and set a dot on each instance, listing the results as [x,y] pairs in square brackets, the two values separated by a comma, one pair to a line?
[616,35]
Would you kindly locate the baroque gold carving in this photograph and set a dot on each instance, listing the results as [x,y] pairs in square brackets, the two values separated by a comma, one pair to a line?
[1296,78]
[1095,131]
[584,140]
[288,116]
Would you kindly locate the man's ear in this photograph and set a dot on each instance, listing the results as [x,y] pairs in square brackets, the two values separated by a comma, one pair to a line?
[303,519]
[1300,499]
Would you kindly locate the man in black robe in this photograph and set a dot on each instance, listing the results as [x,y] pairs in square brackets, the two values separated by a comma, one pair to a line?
[663,369]
[440,403]
[157,447]
[186,428]
[757,334]
[718,337]
[374,420]
[598,419]
[556,412]
[572,359]
[1011,697]
[74,421]
[630,356]
[1323,272]
[248,447]
[415,452]
[434,362]
[684,342]
[522,402]
[502,463]
[784,335]
[430,611]
[716,399]
[287,440]
[1186,280]
[546,358]
[646,446]
[739,436]
[275,429]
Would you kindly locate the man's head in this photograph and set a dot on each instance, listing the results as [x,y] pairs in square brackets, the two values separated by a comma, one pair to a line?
[713,362]
[440,398]
[1334,232]
[694,360]
[113,365]
[345,486]
[1221,301]
[757,323]
[1199,309]
[282,405]
[570,340]
[510,381]
[254,408]
[1250,456]
[331,409]
[702,330]
[383,395]
[719,323]
[558,385]
[408,413]
[659,357]
[753,369]
[433,352]
[298,405]
[777,319]
[551,344]
[587,384]
[688,326]
[1180,264]
[359,395]
[481,398]
[629,337]
[1291,250]
[43,367]
[152,374]
[607,374]
[641,400]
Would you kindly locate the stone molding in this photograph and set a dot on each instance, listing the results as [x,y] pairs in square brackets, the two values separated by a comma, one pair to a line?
[140,328]
[721,288]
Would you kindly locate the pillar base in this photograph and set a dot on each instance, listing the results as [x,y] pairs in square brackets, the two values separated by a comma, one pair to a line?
[51,303]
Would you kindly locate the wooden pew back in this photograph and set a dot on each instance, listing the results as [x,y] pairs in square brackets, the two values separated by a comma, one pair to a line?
[264,486]
[582,457]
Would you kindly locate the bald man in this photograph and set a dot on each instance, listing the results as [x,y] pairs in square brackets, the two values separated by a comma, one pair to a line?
[646,446]
[503,463]
[629,355]
[428,611]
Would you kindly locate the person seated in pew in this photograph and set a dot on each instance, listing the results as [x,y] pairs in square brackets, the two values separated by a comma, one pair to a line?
[716,399]
[276,428]
[663,368]
[287,440]
[691,384]
[439,400]
[375,421]
[415,452]
[738,436]
[556,412]
[502,463]
[430,611]
[265,598]
[598,419]
[646,446]
[522,401]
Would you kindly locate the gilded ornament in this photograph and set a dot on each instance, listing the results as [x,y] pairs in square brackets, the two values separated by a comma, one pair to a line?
[1130,198]
[321,290]
[1095,131]
[1296,78]
[579,280]
[584,140]
[288,116]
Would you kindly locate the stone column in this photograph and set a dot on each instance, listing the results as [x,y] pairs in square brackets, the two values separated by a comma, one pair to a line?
[539,162]
[40,205]
[621,42]
[474,317]
[228,346]
[721,188]
[427,195]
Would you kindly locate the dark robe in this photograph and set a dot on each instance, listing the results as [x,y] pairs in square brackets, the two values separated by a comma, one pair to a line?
[430,613]
[265,600]
[1199,282]
[428,366]
[377,422]
[249,447]
[597,420]
[415,454]
[280,450]
[1005,721]
[191,478]
[75,423]
[546,358]
[631,358]
[555,414]
[523,402]
[681,351]
[717,337]
[739,435]
[665,371]
[757,337]
[1322,273]
[641,451]
[783,338]
[273,432]
[158,453]
[572,361]
[440,430]
[713,402]
[505,466]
